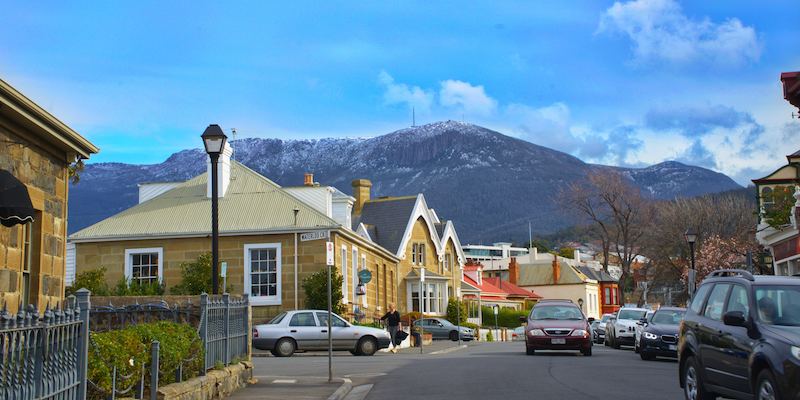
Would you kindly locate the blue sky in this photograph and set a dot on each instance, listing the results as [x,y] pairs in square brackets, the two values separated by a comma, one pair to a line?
[617,83]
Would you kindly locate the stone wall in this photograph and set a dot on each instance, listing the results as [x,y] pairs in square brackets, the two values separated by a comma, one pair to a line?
[216,384]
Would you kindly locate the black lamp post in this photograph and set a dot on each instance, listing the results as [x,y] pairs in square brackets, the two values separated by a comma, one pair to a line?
[214,140]
[691,237]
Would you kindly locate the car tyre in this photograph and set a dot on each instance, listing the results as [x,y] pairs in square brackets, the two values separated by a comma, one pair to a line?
[454,336]
[284,348]
[529,351]
[605,341]
[766,388]
[587,352]
[614,342]
[367,346]
[645,356]
[693,388]
[355,352]
[636,348]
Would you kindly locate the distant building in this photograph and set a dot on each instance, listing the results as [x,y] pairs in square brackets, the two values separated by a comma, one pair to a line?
[496,252]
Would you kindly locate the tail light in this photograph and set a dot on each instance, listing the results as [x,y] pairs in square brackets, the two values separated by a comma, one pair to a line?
[255,332]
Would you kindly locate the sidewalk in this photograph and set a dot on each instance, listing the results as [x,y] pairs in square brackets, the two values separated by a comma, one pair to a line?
[283,387]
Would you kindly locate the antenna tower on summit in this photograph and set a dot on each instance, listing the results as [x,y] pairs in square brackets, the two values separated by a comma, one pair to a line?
[413,117]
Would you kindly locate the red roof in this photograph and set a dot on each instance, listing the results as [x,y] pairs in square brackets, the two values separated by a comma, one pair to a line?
[511,289]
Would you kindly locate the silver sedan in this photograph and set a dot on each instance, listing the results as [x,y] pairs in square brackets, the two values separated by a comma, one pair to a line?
[308,330]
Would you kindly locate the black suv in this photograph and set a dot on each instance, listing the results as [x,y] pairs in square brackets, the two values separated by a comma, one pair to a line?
[740,338]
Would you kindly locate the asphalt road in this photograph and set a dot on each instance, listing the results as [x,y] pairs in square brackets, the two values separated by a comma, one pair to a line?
[494,371]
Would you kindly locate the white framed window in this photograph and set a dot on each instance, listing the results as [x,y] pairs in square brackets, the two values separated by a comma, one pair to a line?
[434,297]
[447,262]
[262,277]
[354,273]
[144,265]
[421,257]
[414,254]
[344,274]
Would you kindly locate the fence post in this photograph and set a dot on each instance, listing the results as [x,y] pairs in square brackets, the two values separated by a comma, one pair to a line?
[248,324]
[84,304]
[204,329]
[226,327]
[154,349]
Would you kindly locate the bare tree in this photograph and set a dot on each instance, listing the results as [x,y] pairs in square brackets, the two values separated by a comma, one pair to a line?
[617,212]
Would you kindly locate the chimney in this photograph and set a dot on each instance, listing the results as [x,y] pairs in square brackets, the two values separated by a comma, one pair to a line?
[309,180]
[577,256]
[513,271]
[556,270]
[223,171]
[361,193]
[535,253]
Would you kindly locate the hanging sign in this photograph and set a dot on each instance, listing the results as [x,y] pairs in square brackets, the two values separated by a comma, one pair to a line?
[364,276]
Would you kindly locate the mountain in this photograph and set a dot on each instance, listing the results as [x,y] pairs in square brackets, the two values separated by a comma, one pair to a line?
[490,185]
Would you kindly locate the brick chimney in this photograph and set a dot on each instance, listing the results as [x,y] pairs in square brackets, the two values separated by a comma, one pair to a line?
[556,270]
[513,271]
[309,180]
[361,193]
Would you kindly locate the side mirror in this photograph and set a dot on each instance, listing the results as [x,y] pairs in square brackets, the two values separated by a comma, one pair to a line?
[440,324]
[643,321]
[591,319]
[523,319]
[734,318]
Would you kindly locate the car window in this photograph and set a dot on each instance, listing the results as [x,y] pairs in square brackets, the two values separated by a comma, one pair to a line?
[738,300]
[556,312]
[777,305]
[335,319]
[716,300]
[277,319]
[303,319]
[668,317]
[699,297]
[605,318]
[630,314]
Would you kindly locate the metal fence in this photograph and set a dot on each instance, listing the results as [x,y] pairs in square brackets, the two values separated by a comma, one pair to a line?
[224,328]
[45,358]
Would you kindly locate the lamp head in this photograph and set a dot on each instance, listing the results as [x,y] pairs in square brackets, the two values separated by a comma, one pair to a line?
[580,302]
[690,235]
[214,139]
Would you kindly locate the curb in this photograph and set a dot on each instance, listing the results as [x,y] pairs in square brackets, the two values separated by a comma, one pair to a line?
[343,390]
[447,350]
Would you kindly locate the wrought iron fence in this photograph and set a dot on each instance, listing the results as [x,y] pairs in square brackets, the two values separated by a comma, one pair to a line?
[45,358]
[224,328]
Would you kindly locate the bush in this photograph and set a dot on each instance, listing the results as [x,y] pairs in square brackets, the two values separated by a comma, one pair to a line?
[197,277]
[452,311]
[371,324]
[128,349]
[127,287]
[506,317]
[316,288]
[94,280]
[489,337]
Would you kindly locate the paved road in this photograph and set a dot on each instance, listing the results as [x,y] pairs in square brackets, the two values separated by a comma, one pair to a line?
[492,371]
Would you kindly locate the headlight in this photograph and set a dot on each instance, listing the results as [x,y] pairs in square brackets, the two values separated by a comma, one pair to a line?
[648,335]
[796,352]
[536,332]
[620,326]
[578,332]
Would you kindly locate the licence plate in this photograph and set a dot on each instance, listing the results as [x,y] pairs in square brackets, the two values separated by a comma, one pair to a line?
[673,347]
[558,341]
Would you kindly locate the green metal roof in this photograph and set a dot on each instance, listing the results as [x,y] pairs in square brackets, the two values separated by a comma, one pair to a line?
[252,204]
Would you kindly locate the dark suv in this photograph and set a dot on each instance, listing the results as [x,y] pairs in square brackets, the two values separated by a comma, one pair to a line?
[740,338]
[557,325]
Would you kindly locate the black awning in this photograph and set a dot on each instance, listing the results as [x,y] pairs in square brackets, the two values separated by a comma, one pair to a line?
[15,204]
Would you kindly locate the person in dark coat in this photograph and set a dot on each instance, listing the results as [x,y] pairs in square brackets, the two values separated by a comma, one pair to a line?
[392,318]
[415,334]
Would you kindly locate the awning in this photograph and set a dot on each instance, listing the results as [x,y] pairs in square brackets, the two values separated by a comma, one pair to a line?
[15,204]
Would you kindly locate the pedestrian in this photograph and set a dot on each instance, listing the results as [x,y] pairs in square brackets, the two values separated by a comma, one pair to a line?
[414,334]
[393,319]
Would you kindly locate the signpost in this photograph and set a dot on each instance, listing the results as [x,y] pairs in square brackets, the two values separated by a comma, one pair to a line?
[224,276]
[496,310]
[421,308]
[330,262]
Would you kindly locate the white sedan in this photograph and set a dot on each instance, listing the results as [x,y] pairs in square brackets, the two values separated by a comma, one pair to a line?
[308,330]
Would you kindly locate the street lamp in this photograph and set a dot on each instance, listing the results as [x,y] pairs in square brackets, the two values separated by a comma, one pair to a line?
[691,237]
[580,303]
[214,140]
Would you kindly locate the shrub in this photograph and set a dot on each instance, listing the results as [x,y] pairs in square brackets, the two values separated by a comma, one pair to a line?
[452,311]
[94,280]
[128,287]
[506,317]
[371,324]
[489,337]
[316,288]
[197,277]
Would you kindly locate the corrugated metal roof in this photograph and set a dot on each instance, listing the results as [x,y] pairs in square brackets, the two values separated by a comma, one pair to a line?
[542,274]
[252,203]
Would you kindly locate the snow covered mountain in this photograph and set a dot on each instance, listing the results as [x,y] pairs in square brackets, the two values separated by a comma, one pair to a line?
[489,184]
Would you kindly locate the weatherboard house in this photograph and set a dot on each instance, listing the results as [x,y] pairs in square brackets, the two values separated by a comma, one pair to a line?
[270,238]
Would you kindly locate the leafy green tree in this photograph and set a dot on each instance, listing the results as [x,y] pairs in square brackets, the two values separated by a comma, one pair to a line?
[778,206]
[316,288]
[94,280]
[567,252]
[196,277]
[452,311]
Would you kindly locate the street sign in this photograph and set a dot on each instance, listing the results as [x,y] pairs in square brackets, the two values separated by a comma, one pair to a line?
[304,237]
[364,276]
[224,268]
[496,309]
[329,252]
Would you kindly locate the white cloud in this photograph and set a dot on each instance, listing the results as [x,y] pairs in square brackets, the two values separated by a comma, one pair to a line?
[398,93]
[472,99]
[546,126]
[661,32]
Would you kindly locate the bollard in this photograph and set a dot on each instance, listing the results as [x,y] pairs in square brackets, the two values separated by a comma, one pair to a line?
[154,348]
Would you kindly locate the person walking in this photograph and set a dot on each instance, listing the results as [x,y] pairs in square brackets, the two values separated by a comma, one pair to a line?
[393,319]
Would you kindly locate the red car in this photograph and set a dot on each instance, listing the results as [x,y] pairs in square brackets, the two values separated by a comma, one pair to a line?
[557,325]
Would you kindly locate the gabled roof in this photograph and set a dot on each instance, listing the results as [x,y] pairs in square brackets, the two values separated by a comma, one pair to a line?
[252,205]
[598,275]
[539,275]
[394,218]
[448,232]
[511,289]
[487,289]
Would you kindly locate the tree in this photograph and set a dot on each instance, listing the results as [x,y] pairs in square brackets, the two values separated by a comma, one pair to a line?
[452,311]
[567,252]
[196,277]
[74,171]
[718,253]
[777,211]
[316,288]
[617,211]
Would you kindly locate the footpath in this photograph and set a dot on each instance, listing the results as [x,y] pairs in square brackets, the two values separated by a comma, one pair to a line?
[314,387]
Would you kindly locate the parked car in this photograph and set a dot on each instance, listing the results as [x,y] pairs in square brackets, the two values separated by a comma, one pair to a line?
[639,327]
[601,328]
[557,325]
[519,334]
[594,326]
[740,338]
[440,328]
[305,330]
[659,335]
[622,329]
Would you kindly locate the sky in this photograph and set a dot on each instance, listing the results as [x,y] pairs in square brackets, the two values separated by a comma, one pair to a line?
[629,84]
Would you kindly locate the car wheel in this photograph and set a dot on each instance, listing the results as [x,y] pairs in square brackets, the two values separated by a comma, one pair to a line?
[614,342]
[766,388]
[645,356]
[454,336]
[355,352]
[587,352]
[284,348]
[529,351]
[692,383]
[367,346]
[636,347]
[605,341]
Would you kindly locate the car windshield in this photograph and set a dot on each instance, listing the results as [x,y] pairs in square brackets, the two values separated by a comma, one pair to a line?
[277,319]
[605,318]
[777,305]
[556,312]
[631,314]
[668,317]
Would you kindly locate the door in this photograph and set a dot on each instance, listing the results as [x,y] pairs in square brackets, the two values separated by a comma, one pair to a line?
[734,344]
[305,331]
[434,327]
[709,336]
[342,334]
